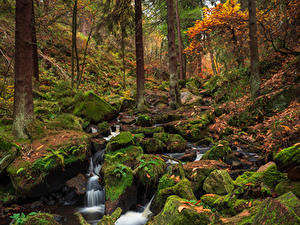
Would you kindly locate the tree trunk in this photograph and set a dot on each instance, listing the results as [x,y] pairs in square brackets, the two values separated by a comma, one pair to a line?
[212,59]
[140,72]
[35,52]
[254,57]
[23,101]
[74,51]
[180,56]
[174,87]
[123,31]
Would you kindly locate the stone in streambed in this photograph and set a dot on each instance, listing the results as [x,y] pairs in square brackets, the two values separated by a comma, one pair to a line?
[120,141]
[219,151]
[218,182]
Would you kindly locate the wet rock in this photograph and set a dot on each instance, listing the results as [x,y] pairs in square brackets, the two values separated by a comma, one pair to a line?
[197,171]
[93,108]
[219,151]
[120,141]
[282,210]
[218,182]
[98,144]
[78,183]
[166,188]
[173,142]
[176,212]
[34,175]
[111,219]
[287,186]
[188,156]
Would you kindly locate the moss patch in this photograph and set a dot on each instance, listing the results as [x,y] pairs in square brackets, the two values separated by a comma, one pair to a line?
[288,157]
[120,141]
[219,151]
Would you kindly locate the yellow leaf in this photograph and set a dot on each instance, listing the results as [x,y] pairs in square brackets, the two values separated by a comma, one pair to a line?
[182,207]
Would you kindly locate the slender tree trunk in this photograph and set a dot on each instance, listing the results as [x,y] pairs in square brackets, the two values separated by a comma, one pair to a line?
[174,87]
[23,100]
[139,46]
[180,56]
[74,31]
[35,52]
[123,54]
[254,57]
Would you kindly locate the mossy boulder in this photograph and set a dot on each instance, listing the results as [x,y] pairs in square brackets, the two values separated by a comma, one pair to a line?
[166,118]
[148,131]
[287,186]
[51,162]
[120,141]
[93,108]
[65,121]
[173,142]
[282,210]
[181,188]
[219,151]
[8,152]
[144,120]
[218,182]
[37,219]
[150,169]
[288,158]
[172,214]
[104,128]
[110,219]
[197,171]
[152,145]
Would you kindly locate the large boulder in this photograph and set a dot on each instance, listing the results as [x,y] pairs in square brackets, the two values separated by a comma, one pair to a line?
[282,210]
[218,182]
[93,108]
[48,163]
[177,211]
[173,142]
[171,186]
[120,141]
[219,151]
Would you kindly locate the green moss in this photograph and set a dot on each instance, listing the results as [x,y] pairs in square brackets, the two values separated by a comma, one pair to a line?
[148,131]
[144,120]
[210,199]
[219,151]
[40,218]
[94,108]
[288,157]
[110,219]
[165,181]
[104,128]
[117,179]
[287,186]
[153,145]
[150,169]
[66,121]
[218,182]
[173,142]
[120,141]
[35,129]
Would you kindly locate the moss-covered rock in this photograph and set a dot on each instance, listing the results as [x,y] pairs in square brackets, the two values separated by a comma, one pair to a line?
[287,186]
[144,120]
[282,210]
[181,188]
[35,129]
[219,151]
[218,182]
[37,219]
[172,214]
[65,121]
[93,108]
[57,158]
[153,145]
[148,131]
[173,142]
[150,169]
[104,128]
[288,158]
[120,141]
[110,219]
[8,152]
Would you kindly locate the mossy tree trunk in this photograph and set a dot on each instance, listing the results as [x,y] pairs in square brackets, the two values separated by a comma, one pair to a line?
[180,46]
[174,87]
[24,68]
[140,72]
[254,57]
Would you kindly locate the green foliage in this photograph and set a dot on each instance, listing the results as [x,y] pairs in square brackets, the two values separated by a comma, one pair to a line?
[165,181]
[219,151]
[120,141]
[144,120]
[21,218]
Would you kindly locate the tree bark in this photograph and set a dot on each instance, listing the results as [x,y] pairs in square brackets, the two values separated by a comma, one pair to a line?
[35,52]
[140,72]
[254,57]
[174,87]
[180,55]
[123,32]
[23,100]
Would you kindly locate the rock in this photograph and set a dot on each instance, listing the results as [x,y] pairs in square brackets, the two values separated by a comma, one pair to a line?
[182,189]
[166,118]
[65,122]
[219,151]
[110,219]
[197,171]
[282,210]
[218,182]
[144,120]
[153,145]
[43,171]
[39,218]
[120,141]
[187,98]
[98,144]
[148,131]
[287,186]
[8,152]
[150,169]
[173,142]
[288,160]
[93,108]
[176,212]
[103,128]
[266,167]
[188,156]
[78,183]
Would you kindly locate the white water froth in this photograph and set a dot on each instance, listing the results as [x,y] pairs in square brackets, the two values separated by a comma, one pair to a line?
[113,134]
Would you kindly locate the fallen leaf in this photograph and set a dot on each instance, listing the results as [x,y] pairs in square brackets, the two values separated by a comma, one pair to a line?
[182,207]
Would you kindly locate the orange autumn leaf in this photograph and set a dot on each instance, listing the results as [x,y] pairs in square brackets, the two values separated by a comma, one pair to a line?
[182,207]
